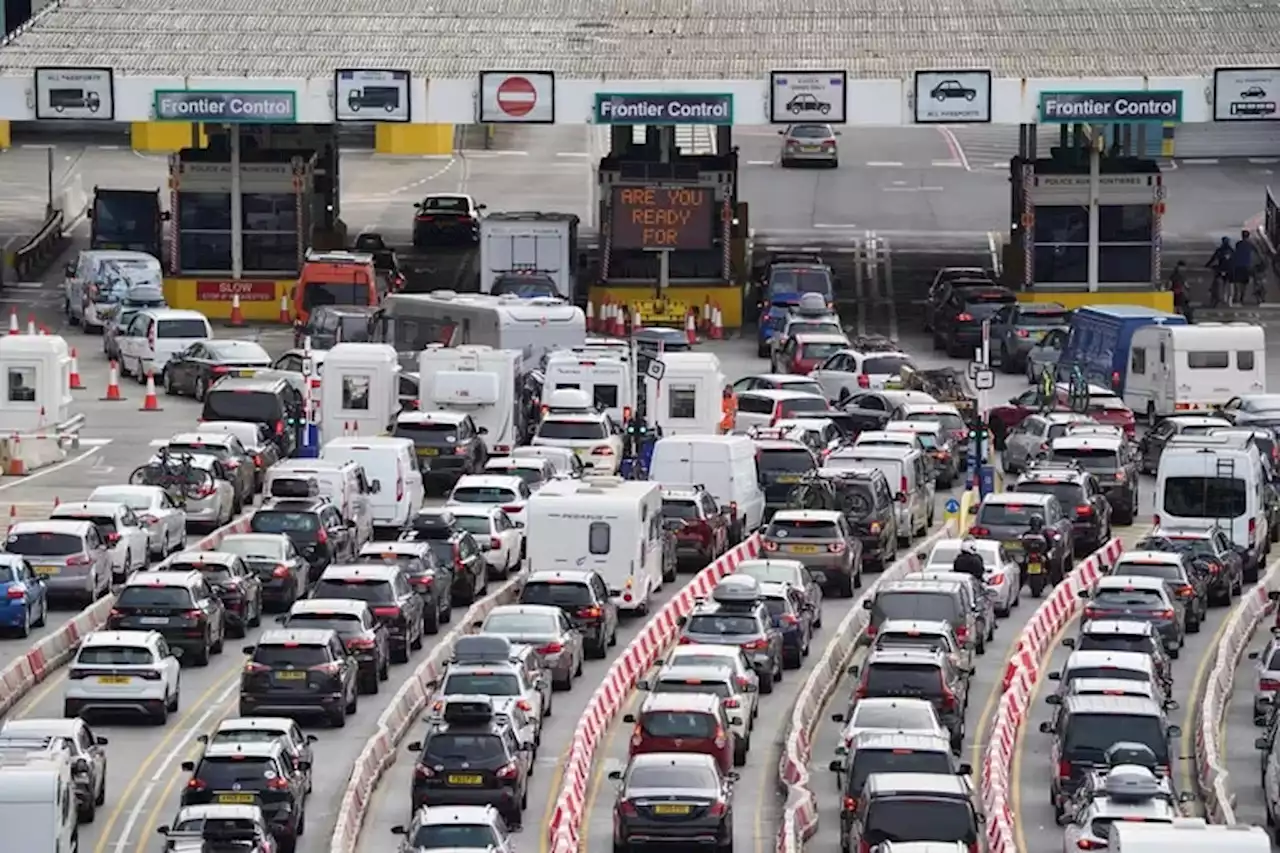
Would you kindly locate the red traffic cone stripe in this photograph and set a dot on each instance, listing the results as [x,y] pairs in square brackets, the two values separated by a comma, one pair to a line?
[14,328]
[285,319]
[74,382]
[237,315]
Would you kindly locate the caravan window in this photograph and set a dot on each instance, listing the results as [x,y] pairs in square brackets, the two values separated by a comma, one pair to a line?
[1208,359]
[682,403]
[355,392]
[605,396]
[1138,360]
[1205,497]
[598,535]
[1244,359]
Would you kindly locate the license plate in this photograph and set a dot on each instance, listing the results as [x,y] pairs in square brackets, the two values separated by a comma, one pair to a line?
[48,570]
[789,478]
[154,620]
[803,549]
[428,451]
[1015,545]
[1035,568]
[810,149]
[113,679]
[238,799]
[671,809]
[289,675]
[465,779]
[244,373]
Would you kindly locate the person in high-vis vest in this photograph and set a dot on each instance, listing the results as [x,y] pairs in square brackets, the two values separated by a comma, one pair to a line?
[728,409]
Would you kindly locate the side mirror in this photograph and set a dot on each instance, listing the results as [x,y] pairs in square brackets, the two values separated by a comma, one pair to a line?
[750,688]
[1253,655]
[416,746]
[1069,643]
[248,650]
[964,770]
[818,577]
[735,721]
[615,774]
[1084,593]
[682,621]
[70,269]
[1055,676]
[478,624]
[304,765]
[836,766]
[312,739]
[100,741]
[482,207]
[922,556]
[177,653]
[1174,731]
[483,431]
[399,830]
[283,619]
[189,766]
[1171,705]
[628,718]
[841,750]
[867,604]
[732,776]
[163,829]
[1274,595]
[1261,743]
[901,497]
[1053,699]
[854,670]
[837,717]
[1046,727]
[642,684]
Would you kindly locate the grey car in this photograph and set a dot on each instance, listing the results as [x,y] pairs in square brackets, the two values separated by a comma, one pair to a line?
[1266,679]
[822,541]
[1033,438]
[548,630]
[1017,328]
[809,143]
[1139,598]
[1044,354]
[71,556]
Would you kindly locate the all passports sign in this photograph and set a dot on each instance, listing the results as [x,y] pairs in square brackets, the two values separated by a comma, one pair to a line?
[1110,107]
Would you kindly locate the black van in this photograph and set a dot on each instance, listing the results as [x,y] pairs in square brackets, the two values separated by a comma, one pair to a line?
[266,397]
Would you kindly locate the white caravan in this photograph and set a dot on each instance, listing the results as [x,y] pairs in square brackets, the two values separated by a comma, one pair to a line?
[1177,370]
[688,400]
[607,379]
[479,381]
[359,390]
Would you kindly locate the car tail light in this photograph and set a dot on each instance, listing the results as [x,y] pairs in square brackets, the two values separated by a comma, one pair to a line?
[602,450]
[252,667]
[195,785]
[1163,614]
[903,486]
[509,508]
[421,580]
[364,643]
[280,571]
[79,560]
[864,846]
[232,464]
[494,542]
[205,491]
[732,703]
[685,641]
[279,783]
[113,538]
[330,668]
[388,612]
[1115,380]
[973,847]
[1269,684]
[994,580]
[864,381]
[1084,511]
[948,699]
[979,531]
[551,648]
[872,630]
[770,545]
[115,614]
[1185,591]
[627,808]
[790,619]
[502,448]
[218,371]
[1090,844]
[151,337]
[592,612]
[836,547]
[399,488]
[149,520]
[720,740]
[458,565]
[422,771]
[860,692]
[849,804]
[962,633]
[508,771]
[524,705]
[17,591]
[1214,566]
[195,615]
[875,528]
[717,809]
[1064,769]
[279,427]
[1253,529]
[460,451]
[777,414]
[148,675]
[1155,520]
[964,317]
[1092,613]
[322,538]
[756,645]
[1044,447]
[1022,333]
[637,736]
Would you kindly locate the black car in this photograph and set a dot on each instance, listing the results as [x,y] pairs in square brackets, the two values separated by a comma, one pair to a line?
[264,774]
[328,325]
[449,445]
[1112,461]
[180,605]
[313,524]
[232,580]
[280,568]
[365,636]
[446,219]
[1184,581]
[1151,446]
[864,496]
[870,410]
[946,287]
[892,804]
[782,465]
[386,263]
[957,324]
[584,597]
[428,577]
[385,588]
[454,547]
[668,797]
[921,673]
[1080,495]
[194,370]
[268,397]
[471,758]
[1212,555]
[300,671]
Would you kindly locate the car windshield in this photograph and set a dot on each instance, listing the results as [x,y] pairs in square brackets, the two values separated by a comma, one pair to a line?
[685,660]
[1090,458]
[133,500]
[1088,736]
[6,574]
[242,405]
[483,495]
[948,421]
[768,573]
[868,761]
[683,510]
[114,656]
[291,656]
[428,435]
[678,724]
[1009,514]
[531,476]
[722,623]
[692,685]
[316,293]
[815,327]
[44,544]
[446,204]
[453,836]
[234,773]
[787,282]
[374,591]
[345,624]
[798,405]
[1148,569]
[910,640]
[453,747]
[788,529]
[677,775]
[480,525]
[898,819]
[254,735]
[785,461]
[163,597]
[263,549]
[520,623]
[284,521]
[902,679]
[918,605]
[886,364]
[482,684]
[557,594]
[820,349]
[1043,319]
[1145,599]
[1197,546]
[1205,497]
[182,329]
[1109,672]
[577,430]
[1068,493]
[897,715]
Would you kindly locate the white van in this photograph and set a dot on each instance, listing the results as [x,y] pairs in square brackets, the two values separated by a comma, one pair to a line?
[479,381]
[155,335]
[38,802]
[687,400]
[343,483]
[1186,835]
[908,473]
[1216,479]
[391,468]
[359,390]
[724,464]
[608,379]
[609,525]
[101,281]
[1177,370]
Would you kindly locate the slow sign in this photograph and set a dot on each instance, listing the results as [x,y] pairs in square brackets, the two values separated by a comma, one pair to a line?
[663,217]
[224,291]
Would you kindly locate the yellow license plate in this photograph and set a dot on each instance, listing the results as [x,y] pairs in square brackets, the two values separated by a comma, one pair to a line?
[671,809]
[244,373]
[238,799]
[113,679]
[291,675]
[465,779]
[803,549]
[1035,568]
[1015,545]
[48,570]
[428,451]
[789,478]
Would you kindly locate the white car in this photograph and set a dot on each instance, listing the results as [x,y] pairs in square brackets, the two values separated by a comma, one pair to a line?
[499,537]
[1002,577]
[893,715]
[156,335]
[850,372]
[563,461]
[593,437]
[498,491]
[708,654]
[124,671]
[164,521]
[123,531]
[534,470]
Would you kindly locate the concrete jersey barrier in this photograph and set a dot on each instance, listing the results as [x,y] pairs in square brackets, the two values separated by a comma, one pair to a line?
[659,633]
[21,675]
[1019,683]
[800,812]
[1211,770]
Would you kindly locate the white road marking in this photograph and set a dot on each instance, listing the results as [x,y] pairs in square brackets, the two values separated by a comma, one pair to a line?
[912,189]
[884,164]
[759,162]
[59,466]
[825,225]
[571,154]
[1201,161]
[948,164]
[957,150]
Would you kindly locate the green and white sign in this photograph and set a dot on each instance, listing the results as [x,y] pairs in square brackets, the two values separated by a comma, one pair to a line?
[1110,107]
[665,108]
[226,107]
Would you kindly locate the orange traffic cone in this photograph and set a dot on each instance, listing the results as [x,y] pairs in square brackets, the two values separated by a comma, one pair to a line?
[706,315]
[74,382]
[285,319]
[690,329]
[150,403]
[619,320]
[237,316]
[113,384]
[14,328]
[17,467]
[717,323]
[636,323]
[31,324]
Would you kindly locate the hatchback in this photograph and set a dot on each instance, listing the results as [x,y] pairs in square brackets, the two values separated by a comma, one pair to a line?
[822,541]
[683,722]
[24,597]
[72,557]
[1139,598]
[1182,580]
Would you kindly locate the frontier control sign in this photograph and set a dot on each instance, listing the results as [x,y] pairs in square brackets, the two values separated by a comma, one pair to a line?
[663,108]
[662,218]
[1110,107]
[221,107]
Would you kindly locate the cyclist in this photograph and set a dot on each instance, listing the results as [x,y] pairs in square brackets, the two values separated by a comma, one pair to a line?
[1220,262]
[967,561]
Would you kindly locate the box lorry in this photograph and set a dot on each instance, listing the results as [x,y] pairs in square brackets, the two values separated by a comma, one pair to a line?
[529,248]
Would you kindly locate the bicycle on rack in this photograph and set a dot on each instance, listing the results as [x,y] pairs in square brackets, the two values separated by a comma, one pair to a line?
[175,473]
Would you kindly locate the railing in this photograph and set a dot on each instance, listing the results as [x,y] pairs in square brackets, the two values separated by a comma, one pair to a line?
[35,255]
[1271,223]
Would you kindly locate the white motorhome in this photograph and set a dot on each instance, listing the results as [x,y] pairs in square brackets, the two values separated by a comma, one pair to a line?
[38,803]
[1216,479]
[610,525]
[609,380]
[724,464]
[688,399]
[1186,835]
[530,243]
[359,390]
[1177,370]
[479,381]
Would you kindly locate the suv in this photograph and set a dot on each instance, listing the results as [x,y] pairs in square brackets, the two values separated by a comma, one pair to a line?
[1182,580]
[1211,553]
[455,828]
[867,502]
[1005,516]
[72,556]
[584,597]
[238,586]
[430,578]
[504,668]
[470,757]
[683,722]
[315,526]
[386,589]
[300,671]
[365,637]
[449,445]
[1112,461]
[258,729]
[1142,599]
[718,681]
[782,464]
[736,615]
[268,397]
[925,600]
[1078,493]
[454,547]
[704,533]
[923,673]
[179,605]
[822,541]
[266,774]
[892,804]
[1124,635]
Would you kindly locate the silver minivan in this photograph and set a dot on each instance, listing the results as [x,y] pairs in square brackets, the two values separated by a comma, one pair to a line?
[70,555]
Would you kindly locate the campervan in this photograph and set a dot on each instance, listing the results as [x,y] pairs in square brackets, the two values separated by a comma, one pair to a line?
[687,400]
[608,379]
[38,802]
[479,381]
[607,525]
[1177,370]
[359,390]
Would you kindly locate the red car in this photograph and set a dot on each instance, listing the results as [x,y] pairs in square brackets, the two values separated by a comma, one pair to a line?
[1104,407]
[805,351]
[683,722]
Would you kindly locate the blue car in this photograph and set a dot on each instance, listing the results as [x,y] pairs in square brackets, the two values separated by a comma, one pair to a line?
[793,616]
[24,599]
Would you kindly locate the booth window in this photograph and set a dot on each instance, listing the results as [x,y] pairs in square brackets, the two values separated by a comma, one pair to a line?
[269,212]
[270,252]
[598,537]
[22,384]
[204,250]
[682,403]
[355,392]
[204,211]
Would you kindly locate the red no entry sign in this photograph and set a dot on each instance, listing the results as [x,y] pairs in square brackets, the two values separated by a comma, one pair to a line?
[517,96]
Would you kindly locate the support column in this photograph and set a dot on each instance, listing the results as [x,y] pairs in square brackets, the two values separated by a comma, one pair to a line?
[1095,175]
[414,140]
[724,139]
[237,206]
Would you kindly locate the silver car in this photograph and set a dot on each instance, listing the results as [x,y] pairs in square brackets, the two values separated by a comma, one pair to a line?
[164,521]
[71,556]
[545,628]
[809,143]
[1266,683]
[1033,438]
[211,500]
[1131,793]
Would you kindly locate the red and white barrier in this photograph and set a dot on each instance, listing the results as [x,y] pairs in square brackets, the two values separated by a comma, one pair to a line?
[565,829]
[800,814]
[21,675]
[1020,678]
[1211,769]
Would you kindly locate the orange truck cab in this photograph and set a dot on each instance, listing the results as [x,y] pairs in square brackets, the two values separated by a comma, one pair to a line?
[335,278]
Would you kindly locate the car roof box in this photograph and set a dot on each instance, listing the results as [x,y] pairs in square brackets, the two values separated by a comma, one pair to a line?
[482,648]
[736,589]
[294,487]
[813,303]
